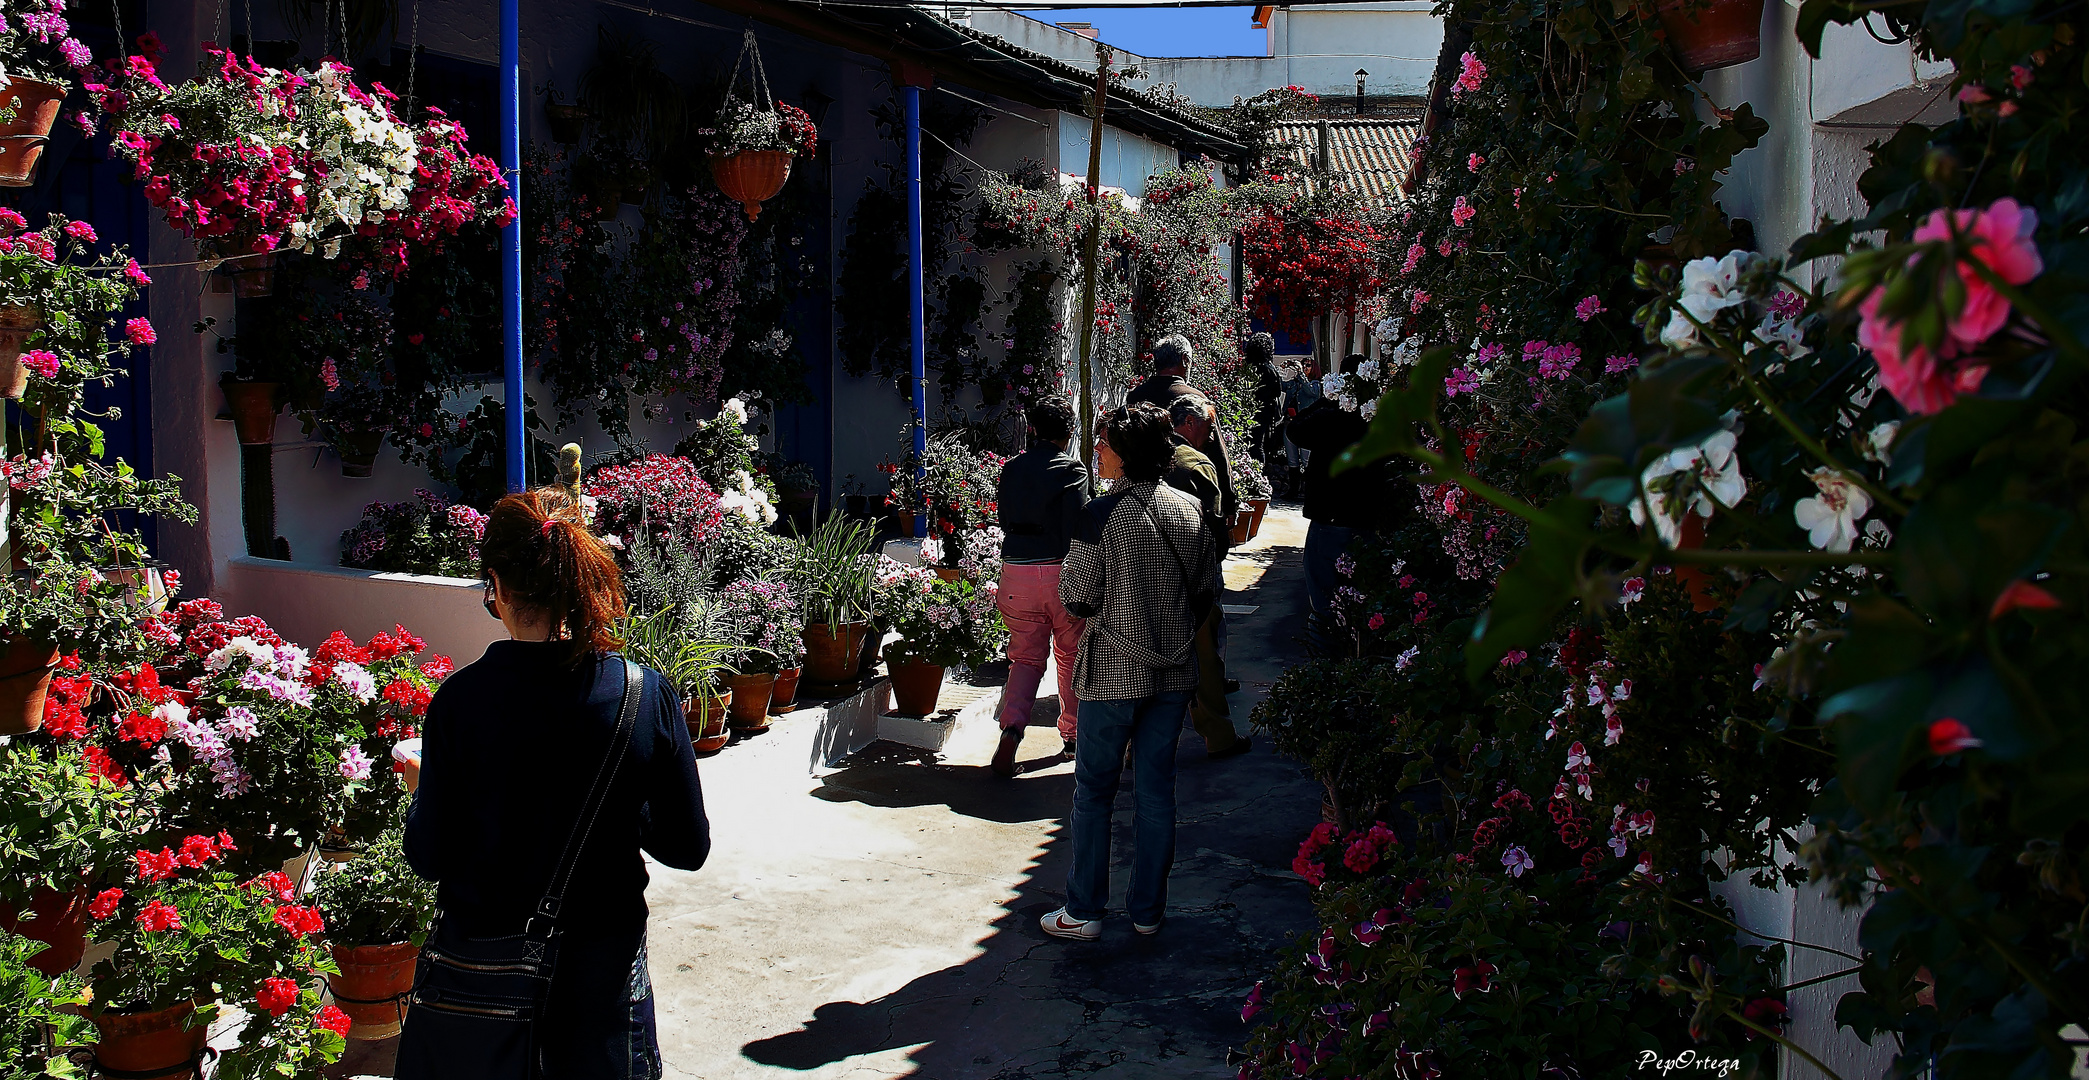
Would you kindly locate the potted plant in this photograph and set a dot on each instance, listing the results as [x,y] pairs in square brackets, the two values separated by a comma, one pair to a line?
[945,624]
[392,188]
[62,828]
[772,623]
[658,498]
[185,931]
[751,148]
[673,642]
[43,1012]
[1251,486]
[58,295]
[427,534]
[1708,34]
[39,53]
[833,572]
[798,487]
[568,122]
[377,913]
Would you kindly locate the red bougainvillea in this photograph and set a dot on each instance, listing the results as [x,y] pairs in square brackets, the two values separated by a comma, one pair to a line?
[1302,264]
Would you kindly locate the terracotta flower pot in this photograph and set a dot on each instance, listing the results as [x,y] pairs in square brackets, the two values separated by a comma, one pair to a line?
[906,522]
[950,573]
[254,406]
[751,177]
[359,452]
[751,692]
[1261,509]
[916,684]
[1708,34]
[567,122]
[59,920]
[17,322]
[1241,524]
[34,104]
[254,277]
[783,696]
[1696,580]
[152,1042]
[374,986]
[832,652]
[706,716]
[25,677]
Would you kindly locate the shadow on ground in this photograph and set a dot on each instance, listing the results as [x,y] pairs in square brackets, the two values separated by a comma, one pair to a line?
[1030,1006]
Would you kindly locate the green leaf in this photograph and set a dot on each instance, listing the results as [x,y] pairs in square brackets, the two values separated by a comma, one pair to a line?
[1392,430]
[1532,593]
[1832,238]
[1876,725]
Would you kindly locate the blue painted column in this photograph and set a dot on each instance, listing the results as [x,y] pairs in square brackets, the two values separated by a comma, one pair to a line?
[917,301]
[511,242]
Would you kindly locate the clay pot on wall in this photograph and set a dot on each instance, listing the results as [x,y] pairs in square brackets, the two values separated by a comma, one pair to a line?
[58,919]
[832,652]
[916,684]
[33,104]
[254,406]
[25,677]
[783,696]
[1708,34]
[706,716]
[17,322]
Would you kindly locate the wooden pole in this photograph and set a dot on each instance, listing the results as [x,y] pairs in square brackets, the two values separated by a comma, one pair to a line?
[1088,258]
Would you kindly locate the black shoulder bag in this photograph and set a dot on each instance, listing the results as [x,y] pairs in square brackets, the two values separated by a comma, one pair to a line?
[477,1001]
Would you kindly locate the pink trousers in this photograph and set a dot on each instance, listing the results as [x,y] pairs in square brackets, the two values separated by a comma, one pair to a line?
[1038,625]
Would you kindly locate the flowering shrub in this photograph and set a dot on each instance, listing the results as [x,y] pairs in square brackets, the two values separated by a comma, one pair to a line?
[182,926]
[38,43]
[657,497]
[60,822]
[946,623]
[247,158]
[742,128]
[775,622]
[375,898]
[724,452]
[429,535]
[958,488]
[1310,254]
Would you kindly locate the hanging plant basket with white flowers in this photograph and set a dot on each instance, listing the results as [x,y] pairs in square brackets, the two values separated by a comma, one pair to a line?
[753,141]
[247,159]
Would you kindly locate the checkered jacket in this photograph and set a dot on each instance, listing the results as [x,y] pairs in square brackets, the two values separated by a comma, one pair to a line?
[1123,577]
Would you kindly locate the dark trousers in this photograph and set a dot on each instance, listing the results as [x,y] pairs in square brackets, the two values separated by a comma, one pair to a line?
[1150,726]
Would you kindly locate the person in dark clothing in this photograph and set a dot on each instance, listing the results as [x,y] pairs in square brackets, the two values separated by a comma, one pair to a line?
[1172,356]
[1259,352]
[1040,497]
[1191,473]
[509,749]
[1335,506]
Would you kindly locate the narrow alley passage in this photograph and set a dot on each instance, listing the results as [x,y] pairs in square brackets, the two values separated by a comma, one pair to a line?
[886,925]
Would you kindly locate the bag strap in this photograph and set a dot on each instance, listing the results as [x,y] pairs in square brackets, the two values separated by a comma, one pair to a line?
[598,793]
[1188,587]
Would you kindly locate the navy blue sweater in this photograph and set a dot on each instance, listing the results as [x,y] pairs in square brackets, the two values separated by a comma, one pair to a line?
[511,744]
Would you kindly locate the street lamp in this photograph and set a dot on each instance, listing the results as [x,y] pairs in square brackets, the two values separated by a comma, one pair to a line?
[1360,73]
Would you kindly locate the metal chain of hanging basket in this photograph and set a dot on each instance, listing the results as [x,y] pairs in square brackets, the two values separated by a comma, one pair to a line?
[757,78]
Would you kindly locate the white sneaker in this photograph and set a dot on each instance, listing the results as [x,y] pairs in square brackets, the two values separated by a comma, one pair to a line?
[1146,929]
[1061,925]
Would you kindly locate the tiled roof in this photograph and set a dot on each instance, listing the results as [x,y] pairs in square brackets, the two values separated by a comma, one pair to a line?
[1371,154]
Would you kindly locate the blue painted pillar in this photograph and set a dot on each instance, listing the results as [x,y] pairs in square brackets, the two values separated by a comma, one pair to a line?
[917,301]
[511,242]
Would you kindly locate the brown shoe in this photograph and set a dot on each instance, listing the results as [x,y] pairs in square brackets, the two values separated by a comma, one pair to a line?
[1004,765]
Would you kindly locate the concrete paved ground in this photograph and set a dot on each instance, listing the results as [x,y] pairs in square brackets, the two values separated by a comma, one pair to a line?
[880,919]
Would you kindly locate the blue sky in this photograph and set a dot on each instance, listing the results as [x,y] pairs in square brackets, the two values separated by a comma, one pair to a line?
[1170,31]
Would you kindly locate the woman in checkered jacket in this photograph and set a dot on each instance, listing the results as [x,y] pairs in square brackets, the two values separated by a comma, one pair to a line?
[1139,571]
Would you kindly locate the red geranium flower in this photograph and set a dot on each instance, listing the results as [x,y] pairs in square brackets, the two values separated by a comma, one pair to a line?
[277,995]
[104,903]
[155,866]
[158,916]
[332,1019]
[298,921]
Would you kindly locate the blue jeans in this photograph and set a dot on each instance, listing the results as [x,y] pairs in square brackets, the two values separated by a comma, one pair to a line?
[1324,544]
[1150,725]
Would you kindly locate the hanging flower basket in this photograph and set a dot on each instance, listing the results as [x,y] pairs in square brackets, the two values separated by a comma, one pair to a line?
[358,451]
[32,105]
[254,407]
[752,142]
[751,177]
[567,122]
[17,322]
[1710,34]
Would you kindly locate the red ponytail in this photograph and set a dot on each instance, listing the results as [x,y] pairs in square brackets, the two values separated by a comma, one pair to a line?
[539,544]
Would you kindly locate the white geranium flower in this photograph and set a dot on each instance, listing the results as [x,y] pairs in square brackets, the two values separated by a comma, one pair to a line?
[1710,286]
[240,648]
[1784,336]
[1368,409]
[359,683]
[1331,384]
[738,409]
[1368,371]
[1717,471]
[1830,518]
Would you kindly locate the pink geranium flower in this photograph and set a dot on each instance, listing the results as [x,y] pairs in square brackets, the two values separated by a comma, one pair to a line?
[41,362]
[1998,238]
[140,332]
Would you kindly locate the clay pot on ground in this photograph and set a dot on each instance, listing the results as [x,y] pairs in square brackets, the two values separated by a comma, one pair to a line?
[254,406]
[783,696]
[358,451]
[905,520]
[17,322]
[58,919]
[25,677]
[832,652]
[373,987]
[751,692]
[153,1042]
[1261,509]
[916,684]
[949,573]
[751,177]
[1242,521]
[1708,34]
[34,106]
[706,716]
